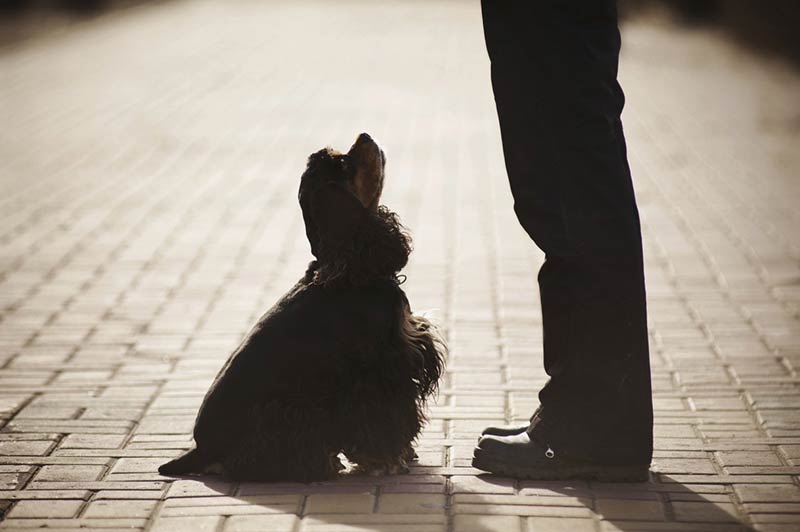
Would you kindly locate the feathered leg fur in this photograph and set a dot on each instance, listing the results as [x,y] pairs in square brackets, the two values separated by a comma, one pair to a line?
[385,427]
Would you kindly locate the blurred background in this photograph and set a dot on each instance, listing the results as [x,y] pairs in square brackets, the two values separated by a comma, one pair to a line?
[768,26]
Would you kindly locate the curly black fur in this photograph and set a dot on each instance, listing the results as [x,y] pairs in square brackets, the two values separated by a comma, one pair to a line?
[379,249]
[339,364]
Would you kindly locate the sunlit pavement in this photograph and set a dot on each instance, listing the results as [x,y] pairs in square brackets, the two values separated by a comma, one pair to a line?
[149,161]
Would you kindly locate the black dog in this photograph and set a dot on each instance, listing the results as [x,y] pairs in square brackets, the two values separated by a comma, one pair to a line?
[339,364]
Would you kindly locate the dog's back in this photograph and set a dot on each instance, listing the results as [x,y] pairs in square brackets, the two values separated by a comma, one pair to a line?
[296,351]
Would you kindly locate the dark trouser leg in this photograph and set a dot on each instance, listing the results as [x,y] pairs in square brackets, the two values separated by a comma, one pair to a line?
[554,68]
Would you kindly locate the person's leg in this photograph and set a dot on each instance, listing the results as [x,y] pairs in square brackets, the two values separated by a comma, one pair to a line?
[554,68]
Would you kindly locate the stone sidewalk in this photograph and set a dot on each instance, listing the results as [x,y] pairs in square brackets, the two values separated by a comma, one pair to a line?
[148,169]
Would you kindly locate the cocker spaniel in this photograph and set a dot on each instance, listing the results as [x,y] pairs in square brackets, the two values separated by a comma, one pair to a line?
[339,364]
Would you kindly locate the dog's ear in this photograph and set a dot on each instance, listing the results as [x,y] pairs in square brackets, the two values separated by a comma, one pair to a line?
[311,228]
[334,215]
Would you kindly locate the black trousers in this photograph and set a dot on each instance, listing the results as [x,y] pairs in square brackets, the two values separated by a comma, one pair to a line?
[554,75]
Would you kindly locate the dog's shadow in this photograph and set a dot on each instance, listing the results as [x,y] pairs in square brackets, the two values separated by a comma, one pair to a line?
[419,502]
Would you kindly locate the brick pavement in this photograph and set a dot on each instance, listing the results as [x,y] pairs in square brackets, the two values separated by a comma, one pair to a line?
[148,165]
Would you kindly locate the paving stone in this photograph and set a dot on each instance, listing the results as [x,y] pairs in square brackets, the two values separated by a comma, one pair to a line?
[137,465]
[250,489]
[337,527]
[679,465]
[520,510]
[260,523]
[128,495]
[273,499]
[97,485]
[396,503]
[25,448]
[415,484]
[26,494]
[70,473]
[140,237]
[768,507]
[763,470]
[54,460]
[630,509]
[573,488]
[388,522]
[696,497]
[232,509]
[115,525]
[559,524]
[524,500]
[487,523]
[624,526]
[768,493]
[705,512]
[346,503]
[157,454]
[791,519]
[751,458]
[728,479]
[761,527]
[92,441]
[119,509]
[197,488]
[38,509]
[206,523]
[482,484]
[48,412]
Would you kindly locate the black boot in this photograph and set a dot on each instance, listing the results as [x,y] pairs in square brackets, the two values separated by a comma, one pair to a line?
[528,455]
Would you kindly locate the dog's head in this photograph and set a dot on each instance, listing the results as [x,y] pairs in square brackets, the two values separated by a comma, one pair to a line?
[337,191]
[348,231]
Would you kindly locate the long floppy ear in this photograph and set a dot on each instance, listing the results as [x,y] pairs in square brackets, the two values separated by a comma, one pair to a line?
[311,228]
[335,215]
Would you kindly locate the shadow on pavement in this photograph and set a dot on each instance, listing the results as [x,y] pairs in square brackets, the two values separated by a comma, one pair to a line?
[662,504]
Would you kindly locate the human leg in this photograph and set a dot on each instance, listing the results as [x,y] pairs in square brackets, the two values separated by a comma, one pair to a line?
[554,67]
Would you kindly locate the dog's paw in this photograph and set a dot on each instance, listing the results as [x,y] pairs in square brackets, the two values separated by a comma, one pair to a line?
[336,463]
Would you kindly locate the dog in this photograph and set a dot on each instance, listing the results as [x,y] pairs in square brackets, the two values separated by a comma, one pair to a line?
[339,364]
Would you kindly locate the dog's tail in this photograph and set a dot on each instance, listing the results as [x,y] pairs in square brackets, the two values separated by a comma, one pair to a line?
[195,461]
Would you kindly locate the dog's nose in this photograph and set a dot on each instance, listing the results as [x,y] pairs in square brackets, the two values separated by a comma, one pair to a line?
[362,138]
[363,146]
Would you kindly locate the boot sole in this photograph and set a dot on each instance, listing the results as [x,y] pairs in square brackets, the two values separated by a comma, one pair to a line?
[600,473]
